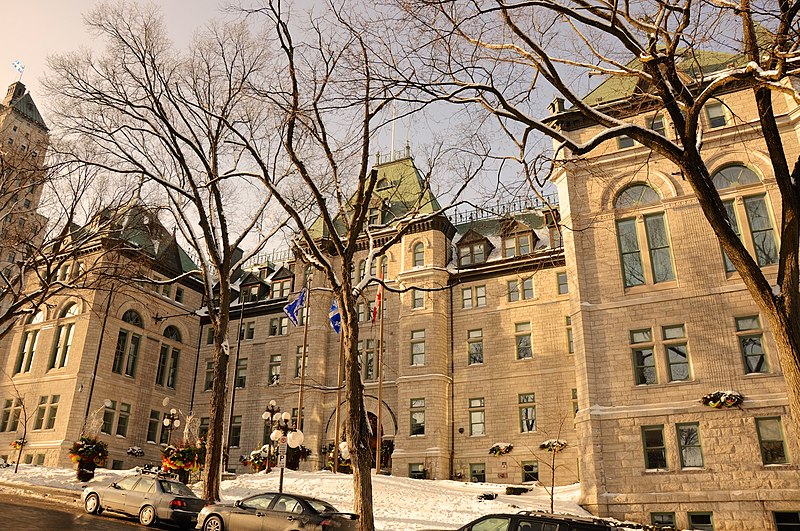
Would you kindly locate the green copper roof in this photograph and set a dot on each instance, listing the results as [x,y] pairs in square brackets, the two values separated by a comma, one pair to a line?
[402,190]
[21,101]
[693,63]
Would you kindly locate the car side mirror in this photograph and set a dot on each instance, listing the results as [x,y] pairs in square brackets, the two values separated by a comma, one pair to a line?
[113,485]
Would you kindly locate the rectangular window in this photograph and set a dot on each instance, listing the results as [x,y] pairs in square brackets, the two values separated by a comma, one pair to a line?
[530,471]
[278,326]
[161,368]
[362,312]
[27,351]
[624,142]
[475,346]
[417,413]
[235,436]
[294,419]
[523,340]
[209,381]
[657,124]
[658,242]
[11,414]
[770,438]
[418,347]
[133,355]
[761,230]
[40,411]
[527,413]
[165,433]
[210,335]
[527,288]
[247,330]
[274,369]
[61,346]
[202,431]
[480,296]
[418,298]
[644,360]
[152,426]
[663,519]
[689,445]
[241,373]
[731,211]
[632,269]
[122,420]
[108,418]
[716,115]
[166,290]
[655,452]
[513,290]
[477,417]
[477,472]
[466,298]
[172,373]
[570,340]
[416,470]
[787,521]
[677,352]
[563,286]
[52,411]
[574,402]
[751,344]
[298,361]
[179,295]
[701,521]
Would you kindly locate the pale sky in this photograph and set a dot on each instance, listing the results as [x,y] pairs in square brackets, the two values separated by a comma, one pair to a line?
[33,29]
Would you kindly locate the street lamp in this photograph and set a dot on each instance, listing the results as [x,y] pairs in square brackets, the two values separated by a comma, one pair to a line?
[284,434]
[270,411]
[171,422]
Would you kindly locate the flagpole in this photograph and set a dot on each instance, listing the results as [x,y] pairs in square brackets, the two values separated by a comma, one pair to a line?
[380,387]
[303,356]
[338,401]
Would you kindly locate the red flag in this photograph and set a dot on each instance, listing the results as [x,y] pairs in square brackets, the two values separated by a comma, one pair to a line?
[378,301]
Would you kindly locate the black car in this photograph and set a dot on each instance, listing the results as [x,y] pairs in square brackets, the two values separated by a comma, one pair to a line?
[534,521]
[275,511]
[152,497]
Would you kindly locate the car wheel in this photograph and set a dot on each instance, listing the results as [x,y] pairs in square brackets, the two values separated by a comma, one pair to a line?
[213,523]
[92,504]
[147,515]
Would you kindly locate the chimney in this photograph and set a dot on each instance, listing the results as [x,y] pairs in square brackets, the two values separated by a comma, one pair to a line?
[556,106]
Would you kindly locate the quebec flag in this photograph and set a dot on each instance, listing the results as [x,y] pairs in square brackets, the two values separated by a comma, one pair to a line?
[293,308]
[335,317]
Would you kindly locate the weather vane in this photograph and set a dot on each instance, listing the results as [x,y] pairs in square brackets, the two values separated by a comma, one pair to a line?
[19,67]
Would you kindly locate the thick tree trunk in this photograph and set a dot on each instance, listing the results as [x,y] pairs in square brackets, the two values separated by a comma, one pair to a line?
[213,466]
[786,332]
[357,429]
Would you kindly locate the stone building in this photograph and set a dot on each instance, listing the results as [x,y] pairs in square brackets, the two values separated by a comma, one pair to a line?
[105,359]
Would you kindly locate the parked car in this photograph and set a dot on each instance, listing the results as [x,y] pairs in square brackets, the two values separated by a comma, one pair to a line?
[150,496]
[273,511]
[534,521]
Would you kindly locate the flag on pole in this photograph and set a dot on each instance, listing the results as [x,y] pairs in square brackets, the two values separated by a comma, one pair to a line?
[18,66]
[335,317]
[293,308]
[378,302]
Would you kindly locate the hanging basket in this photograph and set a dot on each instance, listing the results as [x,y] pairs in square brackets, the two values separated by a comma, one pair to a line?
[723,399]
[501,449]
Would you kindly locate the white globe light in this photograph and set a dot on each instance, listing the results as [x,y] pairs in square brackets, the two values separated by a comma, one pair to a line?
[107,402]
[286,415]
[266,415]
[166,422]
[344,451]
[177,422]
[277,434]
[165,401]
[273,403]
[173,411]
[295,438]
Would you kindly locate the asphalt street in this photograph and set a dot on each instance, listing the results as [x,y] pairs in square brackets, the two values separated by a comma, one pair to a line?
[18,513]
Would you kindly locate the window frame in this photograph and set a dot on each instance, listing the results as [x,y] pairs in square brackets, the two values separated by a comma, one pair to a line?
[477,417]
[526,402]
[521,330]
[745,334]
[672,343]
[683,445]
[475,337]
[761,441]
[417,338]
[662,447]
[416,407]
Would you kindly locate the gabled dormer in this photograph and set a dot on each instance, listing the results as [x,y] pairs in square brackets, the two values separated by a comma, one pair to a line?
[473,248]
[252,288]
[518,238]
[281,283]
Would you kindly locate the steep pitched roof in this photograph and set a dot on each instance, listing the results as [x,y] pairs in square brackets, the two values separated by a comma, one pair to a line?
[20,101]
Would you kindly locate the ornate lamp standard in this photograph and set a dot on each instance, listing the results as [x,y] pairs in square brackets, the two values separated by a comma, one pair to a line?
[271,411]
[284,435]
[171,422]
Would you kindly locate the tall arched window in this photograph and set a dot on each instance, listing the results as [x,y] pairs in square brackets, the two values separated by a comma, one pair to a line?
[126,354]
[419,255]
[654,265]
[63,338]
[749,215]
[167,368]
[27,348]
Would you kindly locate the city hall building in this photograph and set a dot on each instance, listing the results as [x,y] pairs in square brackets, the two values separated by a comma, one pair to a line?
[600,319]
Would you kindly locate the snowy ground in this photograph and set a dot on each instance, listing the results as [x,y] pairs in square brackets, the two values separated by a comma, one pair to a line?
[401,504]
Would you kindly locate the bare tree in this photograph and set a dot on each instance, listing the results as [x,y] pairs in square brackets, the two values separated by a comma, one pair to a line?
[498,55]
[167,116]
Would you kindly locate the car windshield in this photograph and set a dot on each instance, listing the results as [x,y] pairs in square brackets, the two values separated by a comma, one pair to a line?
[179,489]
[321,506]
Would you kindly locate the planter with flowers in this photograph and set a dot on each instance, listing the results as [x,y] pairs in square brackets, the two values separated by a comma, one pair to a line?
[722,399]
[183,459]
[257,459]
[501,449]
[88,453]
[553,445]
[18,444]
[135,451]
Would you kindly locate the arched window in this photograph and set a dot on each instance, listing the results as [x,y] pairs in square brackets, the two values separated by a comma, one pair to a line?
[419,255]
[36,318]
[172,333]
[732,176]
[133,317]
[636,195]
[70,310]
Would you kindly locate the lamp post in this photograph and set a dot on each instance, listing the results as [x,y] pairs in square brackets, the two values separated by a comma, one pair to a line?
[284,434]
[271,411]
[171,422]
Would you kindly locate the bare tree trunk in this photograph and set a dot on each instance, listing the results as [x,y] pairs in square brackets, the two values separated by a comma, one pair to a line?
[213,466]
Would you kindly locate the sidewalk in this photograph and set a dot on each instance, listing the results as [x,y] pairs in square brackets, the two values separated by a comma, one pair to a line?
[52,494]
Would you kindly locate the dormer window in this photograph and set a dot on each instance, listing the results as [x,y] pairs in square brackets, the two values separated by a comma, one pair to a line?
[474,253]
[657,124]
[374,216]
[250,293]
[281,289]
[516,245]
